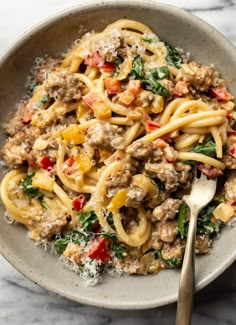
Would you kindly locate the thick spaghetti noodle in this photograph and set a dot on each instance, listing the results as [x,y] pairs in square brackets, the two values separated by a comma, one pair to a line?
[105,147]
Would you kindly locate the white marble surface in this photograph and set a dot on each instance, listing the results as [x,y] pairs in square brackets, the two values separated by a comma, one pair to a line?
[22,302]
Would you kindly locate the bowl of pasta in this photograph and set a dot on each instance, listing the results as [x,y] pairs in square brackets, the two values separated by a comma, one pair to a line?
[109,110]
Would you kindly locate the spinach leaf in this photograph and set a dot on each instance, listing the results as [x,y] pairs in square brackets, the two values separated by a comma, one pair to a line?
[173,57]
[88,220]
[32,191]
[204,225]
[182,219]
[149,81]
[44,204]
[160,73]
[152,84]
[76,237]
[29,189]
[117,64]
[208,148]
[120,251]
[110,220]
[172,262]
[137,71]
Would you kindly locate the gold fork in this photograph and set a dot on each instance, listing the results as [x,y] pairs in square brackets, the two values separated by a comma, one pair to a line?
[202,193]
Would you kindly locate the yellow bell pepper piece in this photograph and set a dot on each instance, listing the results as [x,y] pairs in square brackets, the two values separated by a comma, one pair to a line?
[43,180]
[118,200]
[223,212]
[157,105]
[82,110]
[126,97]
[84,162]
[73,134]
[101,111]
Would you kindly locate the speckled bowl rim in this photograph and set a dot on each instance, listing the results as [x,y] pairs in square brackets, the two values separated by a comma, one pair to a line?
[20,41]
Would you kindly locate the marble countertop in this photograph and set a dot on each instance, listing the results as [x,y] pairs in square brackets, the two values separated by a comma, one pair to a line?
[23,302]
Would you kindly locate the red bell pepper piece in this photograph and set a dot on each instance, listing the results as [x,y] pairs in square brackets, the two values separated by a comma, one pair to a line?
[210,171]
[221,93]
[79,202]
[46,163]
[90,99]
[151,126]
[99,250]
[232,151]
[134,86]
[67,164]
[112,85]
[107,67]
[96,60]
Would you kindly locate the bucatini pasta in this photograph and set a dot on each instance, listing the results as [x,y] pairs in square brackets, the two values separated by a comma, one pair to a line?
[106,145]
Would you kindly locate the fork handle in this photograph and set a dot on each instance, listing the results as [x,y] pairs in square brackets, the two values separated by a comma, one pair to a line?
[187,276]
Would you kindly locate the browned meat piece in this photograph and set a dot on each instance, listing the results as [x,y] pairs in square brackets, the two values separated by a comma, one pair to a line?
[106,136]
[154,240]
[142,188]
[184,173]
[202,244]
[158,152]
[107,46]
[167,210]
[46,223]
[17,149]
[14,124]
[140,151]
[167,231]
[135,195]
[230,188]
[73,252]
[157,155]
[230,159]
[170,153]
[176,250]
[45,145]
[165,172]
[131,264]
[63,85]
[68,119]
[200,77]
[145,98]
[120,180]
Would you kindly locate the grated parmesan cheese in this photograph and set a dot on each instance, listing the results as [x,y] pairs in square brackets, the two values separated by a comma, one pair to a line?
[45,245]
[91,272]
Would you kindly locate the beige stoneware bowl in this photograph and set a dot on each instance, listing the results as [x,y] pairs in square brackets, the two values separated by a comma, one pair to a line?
[55,35]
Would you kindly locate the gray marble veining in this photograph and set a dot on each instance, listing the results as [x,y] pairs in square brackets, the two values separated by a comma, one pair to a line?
[24,303]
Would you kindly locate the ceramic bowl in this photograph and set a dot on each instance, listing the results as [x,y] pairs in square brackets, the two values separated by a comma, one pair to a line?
[54,35]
